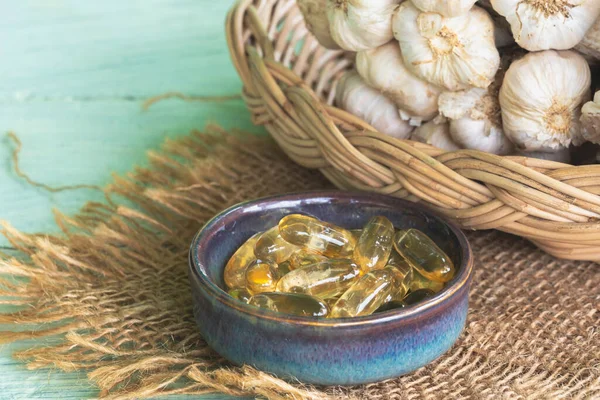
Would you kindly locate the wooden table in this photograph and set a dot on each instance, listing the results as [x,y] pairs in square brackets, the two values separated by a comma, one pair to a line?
[73,77]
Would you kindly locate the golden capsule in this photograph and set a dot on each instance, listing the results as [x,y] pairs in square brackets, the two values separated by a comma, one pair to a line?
[235,270]
[302,258]
[420,282]
[391,305]
[317,236]
[331,301]
[325,279]
[375,244]
[284,268]
[240,294]
[271,247]
[417,296]
[365,296]
[424,255]
[356,233]
[291,303]
[402,275]
[395,258]
[262,276]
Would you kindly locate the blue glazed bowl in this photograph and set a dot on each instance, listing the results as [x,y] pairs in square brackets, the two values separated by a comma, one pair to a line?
[326,351]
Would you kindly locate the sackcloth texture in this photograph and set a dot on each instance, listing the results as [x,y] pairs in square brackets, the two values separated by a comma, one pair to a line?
[113,285]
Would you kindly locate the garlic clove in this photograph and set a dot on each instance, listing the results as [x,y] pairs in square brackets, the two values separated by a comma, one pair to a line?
[357,25]
[383,69]
[454,53]
[315,18]
[590,44]
[502,32]
[480,134]
[590,119]
[541,99]
[475,118]
[356,97]
[448,8]
[548,24]
[436,135]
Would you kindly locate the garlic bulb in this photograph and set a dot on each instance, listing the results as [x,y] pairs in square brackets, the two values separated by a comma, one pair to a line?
[448,8]
[383,69]
[548,24]
[502,32]
[455,53]
[315,17]
[590,44]
[361,24]
[541,99]
[590,118]
[435,133]
[356,97]
[475,120]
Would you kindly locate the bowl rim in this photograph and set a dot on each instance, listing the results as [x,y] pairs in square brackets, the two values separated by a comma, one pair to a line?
[462,279]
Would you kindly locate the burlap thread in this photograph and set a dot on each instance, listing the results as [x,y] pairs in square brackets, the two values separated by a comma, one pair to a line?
[114,284]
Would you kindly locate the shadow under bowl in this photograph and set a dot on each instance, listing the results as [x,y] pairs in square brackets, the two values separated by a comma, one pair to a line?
[326,351]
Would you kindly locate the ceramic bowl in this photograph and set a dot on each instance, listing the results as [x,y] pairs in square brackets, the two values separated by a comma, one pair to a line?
[326,351]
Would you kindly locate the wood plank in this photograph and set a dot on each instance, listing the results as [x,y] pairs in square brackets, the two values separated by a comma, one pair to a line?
[74,75]
[71,49]
[67,143]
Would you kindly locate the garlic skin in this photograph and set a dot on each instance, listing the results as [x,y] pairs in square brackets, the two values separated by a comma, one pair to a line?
[436,134]
[315,18]
[448,8]
[356,97]
[383,69]
[541,99]
[590,44]
[590,119]
[357,25]
[475,120]
[548,24]
[454,53]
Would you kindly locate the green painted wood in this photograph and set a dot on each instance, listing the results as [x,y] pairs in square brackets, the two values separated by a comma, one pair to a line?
[73,77]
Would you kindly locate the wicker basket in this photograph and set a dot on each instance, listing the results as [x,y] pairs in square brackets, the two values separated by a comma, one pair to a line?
[289,87]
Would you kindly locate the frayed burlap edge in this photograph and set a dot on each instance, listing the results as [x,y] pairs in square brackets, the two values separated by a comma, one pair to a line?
[141,342]
[114,286]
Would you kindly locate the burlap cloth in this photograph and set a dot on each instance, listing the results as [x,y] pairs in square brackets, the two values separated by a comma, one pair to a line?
[115,284]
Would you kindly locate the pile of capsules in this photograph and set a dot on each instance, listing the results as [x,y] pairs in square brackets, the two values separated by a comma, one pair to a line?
[308,267]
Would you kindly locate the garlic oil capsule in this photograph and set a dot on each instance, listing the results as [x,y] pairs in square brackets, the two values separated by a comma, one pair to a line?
[402,275]
[374,246]
[302,258]
[284,268]
[240,294]
[365,296]
[391,305]
[420,282]
[290,303]
[271,247]
[317,236]
[235,270]
[323,280]
[417,296]
[395,258]
[424,255]
[262,276]
[356,233]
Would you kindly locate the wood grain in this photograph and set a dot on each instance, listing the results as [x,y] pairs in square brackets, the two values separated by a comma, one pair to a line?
[73,77]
